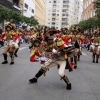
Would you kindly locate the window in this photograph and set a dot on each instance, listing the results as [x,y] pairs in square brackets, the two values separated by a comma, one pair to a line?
[26,6]
[32,11]
[54,6]
[63,14]
[54,10]
[54,1]
[53,14]
[65,6]
[53,19]
[64,19]
[57,14]
[49,1]
[64,10]
[63,23]
[53,23]
[15,2]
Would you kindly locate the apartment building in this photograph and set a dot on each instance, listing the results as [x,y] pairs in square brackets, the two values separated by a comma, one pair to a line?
[61,13]
[28,8]
[40,11]
[88,9]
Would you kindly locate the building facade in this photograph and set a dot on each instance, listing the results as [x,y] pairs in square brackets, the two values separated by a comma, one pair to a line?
[15,5]
[88,9]
[28,8]
[62,13]
[6,3]
[40,11]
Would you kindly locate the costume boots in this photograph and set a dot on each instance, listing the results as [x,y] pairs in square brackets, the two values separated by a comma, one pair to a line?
[93,57]
[65,78]
[97,58]
[78,57]
[12,58]
[75,61]
[71,59]
[68,65]
[15,53]
[5,59]
[40,73]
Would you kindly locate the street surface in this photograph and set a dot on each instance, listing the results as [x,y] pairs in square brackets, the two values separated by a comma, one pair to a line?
[14,83]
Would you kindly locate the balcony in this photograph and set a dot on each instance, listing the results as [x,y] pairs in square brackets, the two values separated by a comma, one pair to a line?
[16,7]
[65,6]
[65,2]
[16,4]
[53,19]
[64,19]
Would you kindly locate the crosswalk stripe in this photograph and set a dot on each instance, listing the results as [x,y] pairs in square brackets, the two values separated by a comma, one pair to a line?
[84,54]
[19,48]
[22,48]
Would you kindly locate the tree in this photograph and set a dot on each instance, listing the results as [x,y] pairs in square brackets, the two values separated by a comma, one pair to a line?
[97,10]
[70,29]
[88,24]
[3,13]
[16,17]
[33,21]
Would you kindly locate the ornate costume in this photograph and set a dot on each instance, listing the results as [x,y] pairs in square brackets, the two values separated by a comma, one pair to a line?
[95,47]
[10,45]
[52,53]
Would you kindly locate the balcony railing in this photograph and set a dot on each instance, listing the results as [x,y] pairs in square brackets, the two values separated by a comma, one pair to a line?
[16,6]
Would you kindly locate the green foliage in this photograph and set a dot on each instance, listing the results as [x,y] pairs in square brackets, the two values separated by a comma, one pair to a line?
[3,13]
[33,21]
[97,10]
[92,22]
[16,17]
[70,29]
[88,24]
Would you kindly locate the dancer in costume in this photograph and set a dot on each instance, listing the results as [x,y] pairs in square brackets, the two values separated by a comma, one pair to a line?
[54,53]
[9,44]
[95,47]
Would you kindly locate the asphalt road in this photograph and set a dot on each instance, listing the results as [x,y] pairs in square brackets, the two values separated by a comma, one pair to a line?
[14,83]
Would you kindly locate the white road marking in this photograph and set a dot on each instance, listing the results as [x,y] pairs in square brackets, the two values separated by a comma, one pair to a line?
[84,54]
[22,48]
